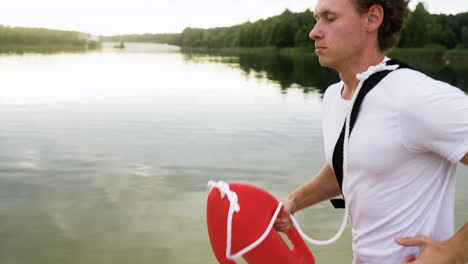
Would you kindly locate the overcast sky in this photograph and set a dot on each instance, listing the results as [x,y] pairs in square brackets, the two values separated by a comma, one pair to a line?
[109,17]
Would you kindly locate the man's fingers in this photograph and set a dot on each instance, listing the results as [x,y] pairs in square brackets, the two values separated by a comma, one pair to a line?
[409,259]
[283,222]
[412,241]
[283,227]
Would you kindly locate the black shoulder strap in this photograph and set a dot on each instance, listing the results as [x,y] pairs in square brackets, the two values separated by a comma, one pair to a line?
[368,84]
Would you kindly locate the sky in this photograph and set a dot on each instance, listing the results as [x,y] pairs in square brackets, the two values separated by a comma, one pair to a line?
[112,17]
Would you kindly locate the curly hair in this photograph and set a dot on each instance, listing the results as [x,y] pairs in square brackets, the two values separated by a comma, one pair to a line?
[395,14]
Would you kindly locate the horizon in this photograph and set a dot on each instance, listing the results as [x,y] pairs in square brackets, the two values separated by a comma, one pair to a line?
[149,17]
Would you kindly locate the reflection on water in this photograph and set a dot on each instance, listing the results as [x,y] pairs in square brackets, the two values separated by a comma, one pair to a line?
[305,71]
[105,156]
[302,71]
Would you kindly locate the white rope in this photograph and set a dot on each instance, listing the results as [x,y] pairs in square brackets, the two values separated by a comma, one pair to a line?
[234,207]
[361,77]
[233,199]
[322,242]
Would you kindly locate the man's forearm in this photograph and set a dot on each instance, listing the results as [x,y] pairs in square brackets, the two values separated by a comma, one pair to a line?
[322,187]
[459,242]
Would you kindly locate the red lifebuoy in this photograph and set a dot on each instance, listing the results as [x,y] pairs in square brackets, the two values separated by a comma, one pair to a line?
[256,210]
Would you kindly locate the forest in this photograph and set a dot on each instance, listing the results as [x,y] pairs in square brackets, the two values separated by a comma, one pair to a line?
[422,30]
[21,39]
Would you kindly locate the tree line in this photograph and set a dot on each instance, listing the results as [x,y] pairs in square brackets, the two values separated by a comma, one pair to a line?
[24,38]
[292,29]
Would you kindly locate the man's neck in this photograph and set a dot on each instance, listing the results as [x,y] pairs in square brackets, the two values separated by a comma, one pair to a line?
[348,75]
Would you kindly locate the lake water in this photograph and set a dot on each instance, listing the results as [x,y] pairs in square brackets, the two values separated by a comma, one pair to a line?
[105,156]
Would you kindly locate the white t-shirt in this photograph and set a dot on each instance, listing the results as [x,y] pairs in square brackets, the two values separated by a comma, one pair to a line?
[403,152]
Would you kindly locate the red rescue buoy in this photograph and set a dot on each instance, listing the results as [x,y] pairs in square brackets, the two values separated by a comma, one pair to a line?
[257,208]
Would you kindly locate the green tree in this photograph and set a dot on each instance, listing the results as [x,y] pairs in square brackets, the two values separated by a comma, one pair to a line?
[464,37]
[284,30]
[416,31]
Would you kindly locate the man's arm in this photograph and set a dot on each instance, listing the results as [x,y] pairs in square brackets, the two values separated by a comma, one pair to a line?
[322,187]
[464,160]
[452,251]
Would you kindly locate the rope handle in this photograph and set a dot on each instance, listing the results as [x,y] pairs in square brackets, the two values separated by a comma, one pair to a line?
[234,207]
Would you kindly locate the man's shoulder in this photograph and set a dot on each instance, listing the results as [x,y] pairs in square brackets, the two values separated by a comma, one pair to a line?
[407,77]
[335,86]
[333,90]
[410,82]
[420,95]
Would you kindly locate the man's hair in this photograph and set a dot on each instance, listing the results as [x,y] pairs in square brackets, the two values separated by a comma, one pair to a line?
[395,14]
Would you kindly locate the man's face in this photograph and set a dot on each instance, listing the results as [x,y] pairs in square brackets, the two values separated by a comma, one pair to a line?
[339,33]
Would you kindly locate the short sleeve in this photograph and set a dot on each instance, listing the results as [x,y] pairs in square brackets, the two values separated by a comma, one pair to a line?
[434,117]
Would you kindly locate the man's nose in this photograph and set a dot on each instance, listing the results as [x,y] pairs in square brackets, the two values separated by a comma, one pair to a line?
[316,33]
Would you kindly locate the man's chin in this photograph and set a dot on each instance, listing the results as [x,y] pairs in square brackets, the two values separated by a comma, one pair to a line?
[324,62]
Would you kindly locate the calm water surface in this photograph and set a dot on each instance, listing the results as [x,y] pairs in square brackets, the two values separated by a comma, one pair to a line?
[105,156]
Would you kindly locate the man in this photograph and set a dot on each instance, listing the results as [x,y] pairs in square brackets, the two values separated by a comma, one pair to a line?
[410,134]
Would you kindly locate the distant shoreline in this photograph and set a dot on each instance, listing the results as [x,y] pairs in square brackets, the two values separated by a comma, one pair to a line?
[438,56]
[19,40]
[417,55]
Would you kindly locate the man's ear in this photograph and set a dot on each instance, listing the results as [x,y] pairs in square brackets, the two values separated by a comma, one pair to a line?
[375,16]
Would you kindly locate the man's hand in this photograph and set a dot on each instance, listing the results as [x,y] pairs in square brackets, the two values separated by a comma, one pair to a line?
[283,223]
[432,251]
[321,187]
